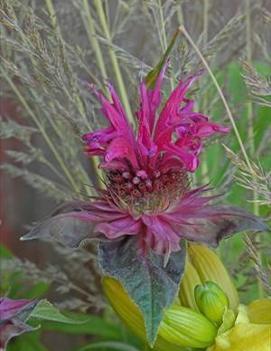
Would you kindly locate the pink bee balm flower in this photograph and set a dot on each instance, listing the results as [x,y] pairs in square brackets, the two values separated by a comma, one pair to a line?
[170,140]
[147,188]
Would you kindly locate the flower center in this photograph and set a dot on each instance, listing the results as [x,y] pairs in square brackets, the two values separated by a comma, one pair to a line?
[141,192]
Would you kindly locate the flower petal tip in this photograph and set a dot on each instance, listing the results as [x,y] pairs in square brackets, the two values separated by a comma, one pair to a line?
[23,238]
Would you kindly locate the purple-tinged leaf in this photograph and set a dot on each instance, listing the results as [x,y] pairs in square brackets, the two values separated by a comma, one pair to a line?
[13,315]
[70,224]
[215,223]
[10,329]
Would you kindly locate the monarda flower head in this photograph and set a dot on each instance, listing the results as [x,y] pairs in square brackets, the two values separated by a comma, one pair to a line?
[147,206]
[147,188]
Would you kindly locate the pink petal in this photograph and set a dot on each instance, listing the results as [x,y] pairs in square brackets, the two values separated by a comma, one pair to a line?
[161,234]
[116,117]
[144,132]
[121,148]
[97,141]
[206,129]
[119,227]
[10,308]
[116,101]
[196,220]
[170,162]
[189,160]
[170,113]
[155,96]
[120,165]
[188,107]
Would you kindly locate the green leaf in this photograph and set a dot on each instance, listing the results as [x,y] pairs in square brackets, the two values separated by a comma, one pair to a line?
[45,310]
[154,73]
[27,342]
[152,286]
[90,325]
[38,290]
[5,252]
[108,345]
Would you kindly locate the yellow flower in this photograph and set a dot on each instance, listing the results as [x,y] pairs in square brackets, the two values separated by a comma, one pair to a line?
[251,332]
[259,311]
[180,327]
[204,265]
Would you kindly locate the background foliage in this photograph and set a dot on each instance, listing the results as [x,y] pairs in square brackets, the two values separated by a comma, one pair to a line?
[50,50]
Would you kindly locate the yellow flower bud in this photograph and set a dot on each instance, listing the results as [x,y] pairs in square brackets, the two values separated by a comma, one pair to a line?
[211,301]
[180,327]
[190,280]
[124,306]
[130,314]
[210,268]
[185,327]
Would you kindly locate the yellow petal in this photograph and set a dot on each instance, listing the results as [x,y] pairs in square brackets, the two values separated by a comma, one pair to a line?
[190,280]
[242,317]
[259,311]
[124,306]
[244,337]
[210,268]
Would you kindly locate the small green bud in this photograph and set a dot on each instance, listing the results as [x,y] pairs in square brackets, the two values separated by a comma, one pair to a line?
[211,301]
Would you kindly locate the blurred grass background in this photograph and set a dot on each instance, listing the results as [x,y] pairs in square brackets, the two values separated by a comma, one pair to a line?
[49,49]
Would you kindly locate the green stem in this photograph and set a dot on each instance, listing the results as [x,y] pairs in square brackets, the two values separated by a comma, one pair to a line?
[100,11]
[162,31]
[229,113]
[249,104]
[205,21]
[25,40]
[249,60]
[256,209]
[90,29]
[180,16]
[52,13]
[163,37]
[204,165]
[78,100]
